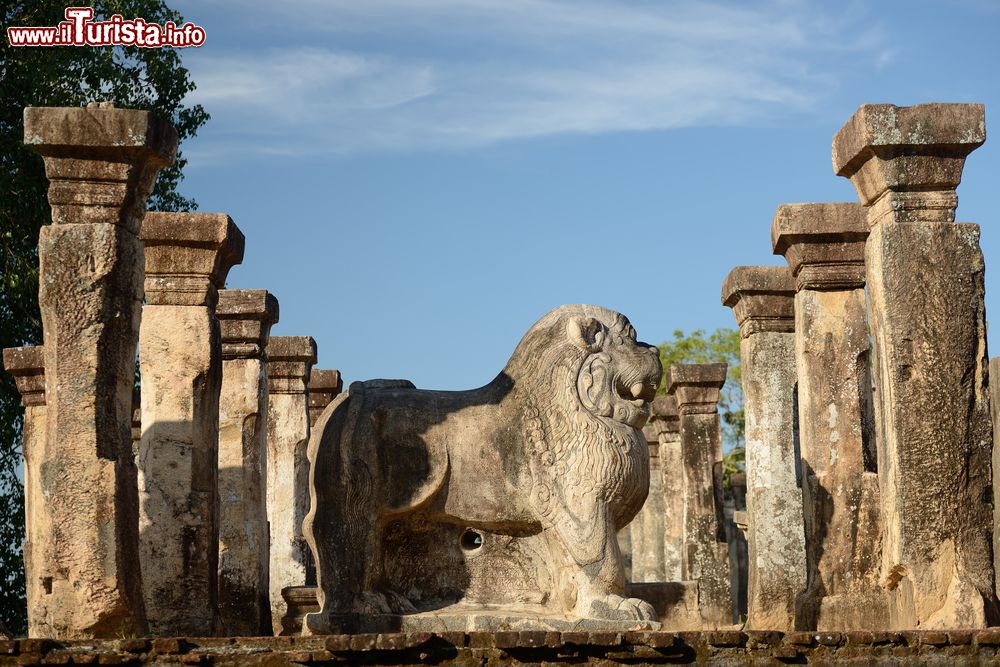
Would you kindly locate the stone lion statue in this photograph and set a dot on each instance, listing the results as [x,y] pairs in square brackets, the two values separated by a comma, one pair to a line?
[551,448]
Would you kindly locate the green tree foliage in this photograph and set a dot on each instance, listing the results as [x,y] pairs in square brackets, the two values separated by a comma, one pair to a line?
[131,77]
[721,345]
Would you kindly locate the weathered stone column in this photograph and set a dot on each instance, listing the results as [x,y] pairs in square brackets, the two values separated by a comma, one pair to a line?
[245,319]
[289,360]
[646,529]
[188,256]
[932,410]
[666,424]
[27,366]
[995,412]
[825,248]
[695,387]
[101,163]
[762,299]
[324,386]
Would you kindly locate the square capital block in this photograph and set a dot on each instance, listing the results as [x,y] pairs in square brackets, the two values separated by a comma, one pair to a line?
[323,387]
[762,298]
[27,366]
[188,256]
[289,362]
[664,418]
[906,162]
[696,387]
[101,162]
[824,244]
[245,320]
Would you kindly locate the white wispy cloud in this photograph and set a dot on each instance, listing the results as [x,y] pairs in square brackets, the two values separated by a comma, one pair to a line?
[375,75]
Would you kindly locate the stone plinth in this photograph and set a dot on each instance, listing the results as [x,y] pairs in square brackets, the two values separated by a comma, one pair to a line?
[27,366]
[695,388]
[646,529]
[666,424]
[924,276]
[289,360]
[101,163]
[577,647]
[323,387]
[245,319]
[825,248]
[762,298]
[188,256]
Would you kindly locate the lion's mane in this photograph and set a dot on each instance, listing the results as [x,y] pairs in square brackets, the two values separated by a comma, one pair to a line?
[573,452]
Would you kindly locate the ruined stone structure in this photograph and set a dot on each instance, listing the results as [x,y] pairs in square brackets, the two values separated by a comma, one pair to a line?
[491,508]
[188,256]
[695,388]
[824,245]
[289,361]
[195,504]
[762,301]
[924,274]
[101,163]
[245,319]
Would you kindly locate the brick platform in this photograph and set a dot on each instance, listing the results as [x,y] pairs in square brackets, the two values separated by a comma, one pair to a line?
[593,648]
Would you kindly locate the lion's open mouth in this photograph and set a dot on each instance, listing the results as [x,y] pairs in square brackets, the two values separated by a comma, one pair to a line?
[636,391]
[637,395]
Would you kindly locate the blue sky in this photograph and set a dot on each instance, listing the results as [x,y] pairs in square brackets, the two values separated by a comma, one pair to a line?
[419,181]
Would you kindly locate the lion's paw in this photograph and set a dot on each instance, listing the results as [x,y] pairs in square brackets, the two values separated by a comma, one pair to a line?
[616,607]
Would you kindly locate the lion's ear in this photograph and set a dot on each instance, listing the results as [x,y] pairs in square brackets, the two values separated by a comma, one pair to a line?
[586,333]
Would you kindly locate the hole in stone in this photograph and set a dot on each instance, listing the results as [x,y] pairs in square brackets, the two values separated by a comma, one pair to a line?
[471,540]
[47,585]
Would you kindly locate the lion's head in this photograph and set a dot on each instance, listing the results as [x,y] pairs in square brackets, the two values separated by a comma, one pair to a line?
[588,356]
[586,385]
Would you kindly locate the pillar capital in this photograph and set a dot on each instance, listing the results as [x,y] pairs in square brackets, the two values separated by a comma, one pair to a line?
[27,366]
[188,256]
[824,244]
[245,320]
[664,418]
[323,387]
[289,361]
[762,298]
[906,162]
[696,387]
[101,162]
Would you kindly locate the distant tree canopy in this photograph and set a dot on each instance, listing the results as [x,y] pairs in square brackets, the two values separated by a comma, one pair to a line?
[721,345]
[131,77]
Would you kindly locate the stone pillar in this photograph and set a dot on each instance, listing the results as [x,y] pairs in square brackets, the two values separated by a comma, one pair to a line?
[188,256]
[762,299]
[245,319]
[825,248]
[27,365]
[101,163]
[666,423]
[646,529]
[289,360]
[924,274]
[324,386]
[695,387]
[995,412]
